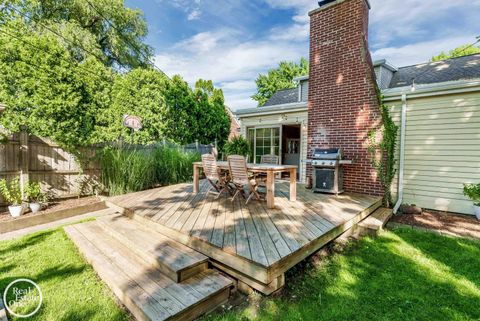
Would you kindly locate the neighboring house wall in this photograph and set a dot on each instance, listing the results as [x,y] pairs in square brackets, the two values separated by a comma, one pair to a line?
[287,118]
[384,76]
[304,90]
[442,150]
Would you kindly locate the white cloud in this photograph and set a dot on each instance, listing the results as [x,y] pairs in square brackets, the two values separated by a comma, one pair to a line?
[411,20]
[419,52]
[231,62]
[194,14]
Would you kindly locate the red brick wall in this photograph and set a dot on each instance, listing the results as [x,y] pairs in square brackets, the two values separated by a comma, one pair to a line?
[342,102]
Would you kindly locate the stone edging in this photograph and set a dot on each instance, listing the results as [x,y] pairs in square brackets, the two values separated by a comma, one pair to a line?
[29,221]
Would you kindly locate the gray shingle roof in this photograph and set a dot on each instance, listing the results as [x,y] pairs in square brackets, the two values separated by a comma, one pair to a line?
[286,96]
[462,68]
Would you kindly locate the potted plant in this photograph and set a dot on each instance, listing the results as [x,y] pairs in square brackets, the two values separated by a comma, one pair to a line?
[238,146]
[12,193]
[35,196]
[472,191]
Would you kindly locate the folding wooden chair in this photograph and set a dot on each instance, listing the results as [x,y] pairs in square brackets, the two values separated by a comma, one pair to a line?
[240,179]
[219,182]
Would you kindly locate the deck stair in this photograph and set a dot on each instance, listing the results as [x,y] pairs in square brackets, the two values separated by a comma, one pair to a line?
[155,277]
[374,223]
[173,259]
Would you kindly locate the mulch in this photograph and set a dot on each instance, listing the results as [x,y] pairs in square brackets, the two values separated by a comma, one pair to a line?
[55,206]
[445,223]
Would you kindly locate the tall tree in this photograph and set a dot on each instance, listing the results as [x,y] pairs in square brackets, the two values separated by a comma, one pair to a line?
[140,92]
[279,78]
[116,30]
[461,51]
[47,91]
[180,119]
[213,115]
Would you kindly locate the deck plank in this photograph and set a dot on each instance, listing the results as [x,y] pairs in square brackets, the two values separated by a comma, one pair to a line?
[229,236]
[218,231]
[280,245]
[241,237]
[268,245]
[256,248]
[192,218]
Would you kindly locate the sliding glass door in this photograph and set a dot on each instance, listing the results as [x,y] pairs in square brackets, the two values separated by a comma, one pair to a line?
[264,141]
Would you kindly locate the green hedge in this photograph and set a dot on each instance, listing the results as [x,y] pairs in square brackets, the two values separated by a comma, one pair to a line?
[132,169]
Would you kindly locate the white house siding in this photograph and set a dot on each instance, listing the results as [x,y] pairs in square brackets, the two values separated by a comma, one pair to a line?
[442,150]
[281,119]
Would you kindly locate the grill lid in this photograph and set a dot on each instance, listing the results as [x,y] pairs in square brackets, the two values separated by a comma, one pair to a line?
[327,153]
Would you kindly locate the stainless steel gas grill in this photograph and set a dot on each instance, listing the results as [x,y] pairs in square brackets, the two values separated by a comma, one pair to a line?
[327,170]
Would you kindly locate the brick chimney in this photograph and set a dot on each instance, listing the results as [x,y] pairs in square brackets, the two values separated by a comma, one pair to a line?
[342,101]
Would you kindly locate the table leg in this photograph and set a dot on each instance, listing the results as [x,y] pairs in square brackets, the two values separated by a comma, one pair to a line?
[196,179]
[293,184]
[270,189]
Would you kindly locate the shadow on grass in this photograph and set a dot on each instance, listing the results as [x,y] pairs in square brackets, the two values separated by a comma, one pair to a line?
[404,275]
[26,242]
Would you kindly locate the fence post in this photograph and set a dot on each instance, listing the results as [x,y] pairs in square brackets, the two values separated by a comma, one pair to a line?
[196,144]
[23,160]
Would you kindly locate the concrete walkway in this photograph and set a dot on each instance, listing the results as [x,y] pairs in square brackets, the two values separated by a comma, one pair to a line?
[19,233]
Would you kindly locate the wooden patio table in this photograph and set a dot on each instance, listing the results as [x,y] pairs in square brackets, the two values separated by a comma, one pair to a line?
[269,169]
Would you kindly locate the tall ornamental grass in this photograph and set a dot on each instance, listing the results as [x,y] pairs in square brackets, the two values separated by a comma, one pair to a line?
[131,169]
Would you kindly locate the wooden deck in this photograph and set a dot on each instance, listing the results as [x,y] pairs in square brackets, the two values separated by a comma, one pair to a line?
[252,243]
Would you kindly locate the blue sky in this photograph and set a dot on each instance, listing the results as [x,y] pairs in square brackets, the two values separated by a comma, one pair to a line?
[232,41]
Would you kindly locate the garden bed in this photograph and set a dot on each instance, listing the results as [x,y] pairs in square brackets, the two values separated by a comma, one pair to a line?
[55,211]
[55,206]
[444,223]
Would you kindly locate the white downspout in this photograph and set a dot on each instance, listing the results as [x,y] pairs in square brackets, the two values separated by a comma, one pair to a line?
[402,153]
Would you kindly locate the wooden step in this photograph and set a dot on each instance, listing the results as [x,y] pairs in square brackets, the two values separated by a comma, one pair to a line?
[375,223]
[146,292]
[174,259]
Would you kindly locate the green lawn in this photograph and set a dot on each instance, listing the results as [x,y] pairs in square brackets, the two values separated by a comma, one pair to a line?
[70,287]
[402,275]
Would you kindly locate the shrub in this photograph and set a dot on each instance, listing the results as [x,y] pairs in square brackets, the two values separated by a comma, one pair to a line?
[34,193]
[472,191]
[132,169]
[237,146]
[11,191]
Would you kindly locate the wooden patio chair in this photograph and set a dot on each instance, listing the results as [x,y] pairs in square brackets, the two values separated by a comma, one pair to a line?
[218,181]
[240,178]
[269,159]
[266,159]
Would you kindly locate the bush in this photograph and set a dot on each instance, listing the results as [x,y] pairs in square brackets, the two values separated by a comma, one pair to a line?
[472,191]
[34,193]
[237,146]
[11,191]
[133,169]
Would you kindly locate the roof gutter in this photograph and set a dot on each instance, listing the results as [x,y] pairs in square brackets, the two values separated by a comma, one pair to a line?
[272,110]
[437,89]
[403,127]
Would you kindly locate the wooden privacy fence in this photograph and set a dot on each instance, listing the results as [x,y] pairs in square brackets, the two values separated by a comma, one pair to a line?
[36,159]
[31,158]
